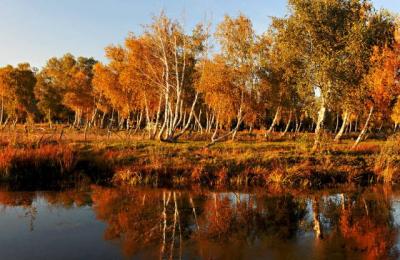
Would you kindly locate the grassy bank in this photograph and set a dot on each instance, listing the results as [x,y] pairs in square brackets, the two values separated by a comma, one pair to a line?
[51,165]
[38,158]
[242,163]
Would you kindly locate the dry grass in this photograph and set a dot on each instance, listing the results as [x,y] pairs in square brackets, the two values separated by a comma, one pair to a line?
[241,163]
[387,163]
[134,160]
[36,165]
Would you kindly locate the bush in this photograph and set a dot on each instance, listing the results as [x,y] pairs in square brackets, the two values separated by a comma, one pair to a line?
[387,163]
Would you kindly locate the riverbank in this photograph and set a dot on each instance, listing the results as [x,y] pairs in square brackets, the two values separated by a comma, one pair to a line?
[47,159]
[243,163]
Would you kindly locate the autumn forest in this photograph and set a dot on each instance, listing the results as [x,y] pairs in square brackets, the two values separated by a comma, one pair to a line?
[328,66]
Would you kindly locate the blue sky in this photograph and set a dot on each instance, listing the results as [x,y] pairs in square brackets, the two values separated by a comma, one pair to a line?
[35,30]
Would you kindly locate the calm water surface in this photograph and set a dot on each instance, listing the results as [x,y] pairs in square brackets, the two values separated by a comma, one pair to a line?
[143,223]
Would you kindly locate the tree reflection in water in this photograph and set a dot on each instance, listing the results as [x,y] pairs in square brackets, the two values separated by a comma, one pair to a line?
[162,223]
[359,223]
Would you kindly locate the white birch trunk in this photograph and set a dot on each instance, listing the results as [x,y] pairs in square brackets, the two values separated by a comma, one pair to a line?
[319,126]
[287,125]
[274,121]
[343,127]
[364,130]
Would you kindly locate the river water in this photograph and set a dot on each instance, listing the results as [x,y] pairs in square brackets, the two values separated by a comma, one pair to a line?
[148,223]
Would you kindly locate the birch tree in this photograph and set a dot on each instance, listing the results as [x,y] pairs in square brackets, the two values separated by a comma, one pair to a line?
[178,53]
[329,35]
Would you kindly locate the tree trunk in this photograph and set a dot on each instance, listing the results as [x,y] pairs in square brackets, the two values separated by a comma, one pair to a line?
[5,122]
[342,128]
[102,120]
[356,126]
[337,123]
[346,131]
[92,122]
[207,122]
[299,127]
[215,132]
[274,121]
[15,122]
[128,123]
[111,119]
[172,136]
[287,125]
[232,132]
[75,118]
[79,118]
[148,121]
[120,120]
[239,122]
[210,122]
[199,122]
[380,127]
[86,129]
[139,121]
[166,115]
[49,118]
[153,135]
[319,126]
[121,123]
[364,130]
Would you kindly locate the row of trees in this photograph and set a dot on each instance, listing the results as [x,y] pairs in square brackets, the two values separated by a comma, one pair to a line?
[329,64]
